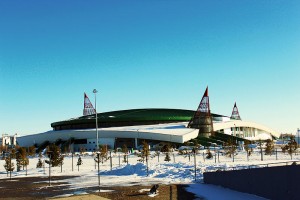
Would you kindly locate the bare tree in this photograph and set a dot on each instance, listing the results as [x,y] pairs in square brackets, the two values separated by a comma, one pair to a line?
[40,164]
[157,152]
[230,148]
[290,147]
[54,153]
[103,153]
[21,158]
[144,155]
[31,150]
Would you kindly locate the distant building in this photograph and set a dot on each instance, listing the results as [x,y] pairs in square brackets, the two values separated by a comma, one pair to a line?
[9,140]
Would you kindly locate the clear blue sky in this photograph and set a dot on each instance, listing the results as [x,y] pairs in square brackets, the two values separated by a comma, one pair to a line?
[148,54]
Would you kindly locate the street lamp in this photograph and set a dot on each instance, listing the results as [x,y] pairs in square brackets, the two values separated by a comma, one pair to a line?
[98,161]
[95,92]
[72,159]
[234,134]
[137,140]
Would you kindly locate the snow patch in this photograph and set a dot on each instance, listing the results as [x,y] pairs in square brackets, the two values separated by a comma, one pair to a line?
[144,190]
[153,195]
[180,171]
[80,193]
[138,169]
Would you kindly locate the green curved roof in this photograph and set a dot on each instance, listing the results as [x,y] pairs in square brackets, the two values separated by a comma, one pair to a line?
[132,116]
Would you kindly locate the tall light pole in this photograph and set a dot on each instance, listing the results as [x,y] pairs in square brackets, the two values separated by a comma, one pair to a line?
[98,161]
[95,92]
[234,130]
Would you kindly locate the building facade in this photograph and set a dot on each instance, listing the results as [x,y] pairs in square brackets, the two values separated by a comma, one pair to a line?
[130,127]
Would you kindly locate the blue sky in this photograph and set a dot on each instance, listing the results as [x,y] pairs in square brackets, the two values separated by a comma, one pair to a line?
[148,54]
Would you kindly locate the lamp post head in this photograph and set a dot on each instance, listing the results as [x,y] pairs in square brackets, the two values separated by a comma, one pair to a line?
[95,91]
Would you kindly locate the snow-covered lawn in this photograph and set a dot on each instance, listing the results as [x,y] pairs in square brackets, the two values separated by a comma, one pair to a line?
[180,171]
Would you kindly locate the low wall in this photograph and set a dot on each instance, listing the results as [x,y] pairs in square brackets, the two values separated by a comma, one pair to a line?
[269,182]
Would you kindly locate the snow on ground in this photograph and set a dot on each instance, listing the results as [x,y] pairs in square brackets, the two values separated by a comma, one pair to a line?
[208,191]
[178,171]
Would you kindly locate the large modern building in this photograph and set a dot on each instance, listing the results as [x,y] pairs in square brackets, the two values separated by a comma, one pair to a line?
[130,127]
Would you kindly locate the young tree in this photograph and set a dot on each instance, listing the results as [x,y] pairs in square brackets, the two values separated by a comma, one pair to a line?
[21,158]
[8,165]
[31,150]
[186,152]
[166,150]
[193,149]
[79,162]
[261,150]
[18,163]
[24,158]
[157,152]
[208,154]
[54,155]
[145,152]
[269,147]
[103,153]
[2,149]
[125,151]
[248,150]
[291,147]
[284,149]
[230,148]
[40,164]
[13,152]
[144,155]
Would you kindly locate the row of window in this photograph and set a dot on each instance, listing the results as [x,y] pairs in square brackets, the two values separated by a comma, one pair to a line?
[109,124]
